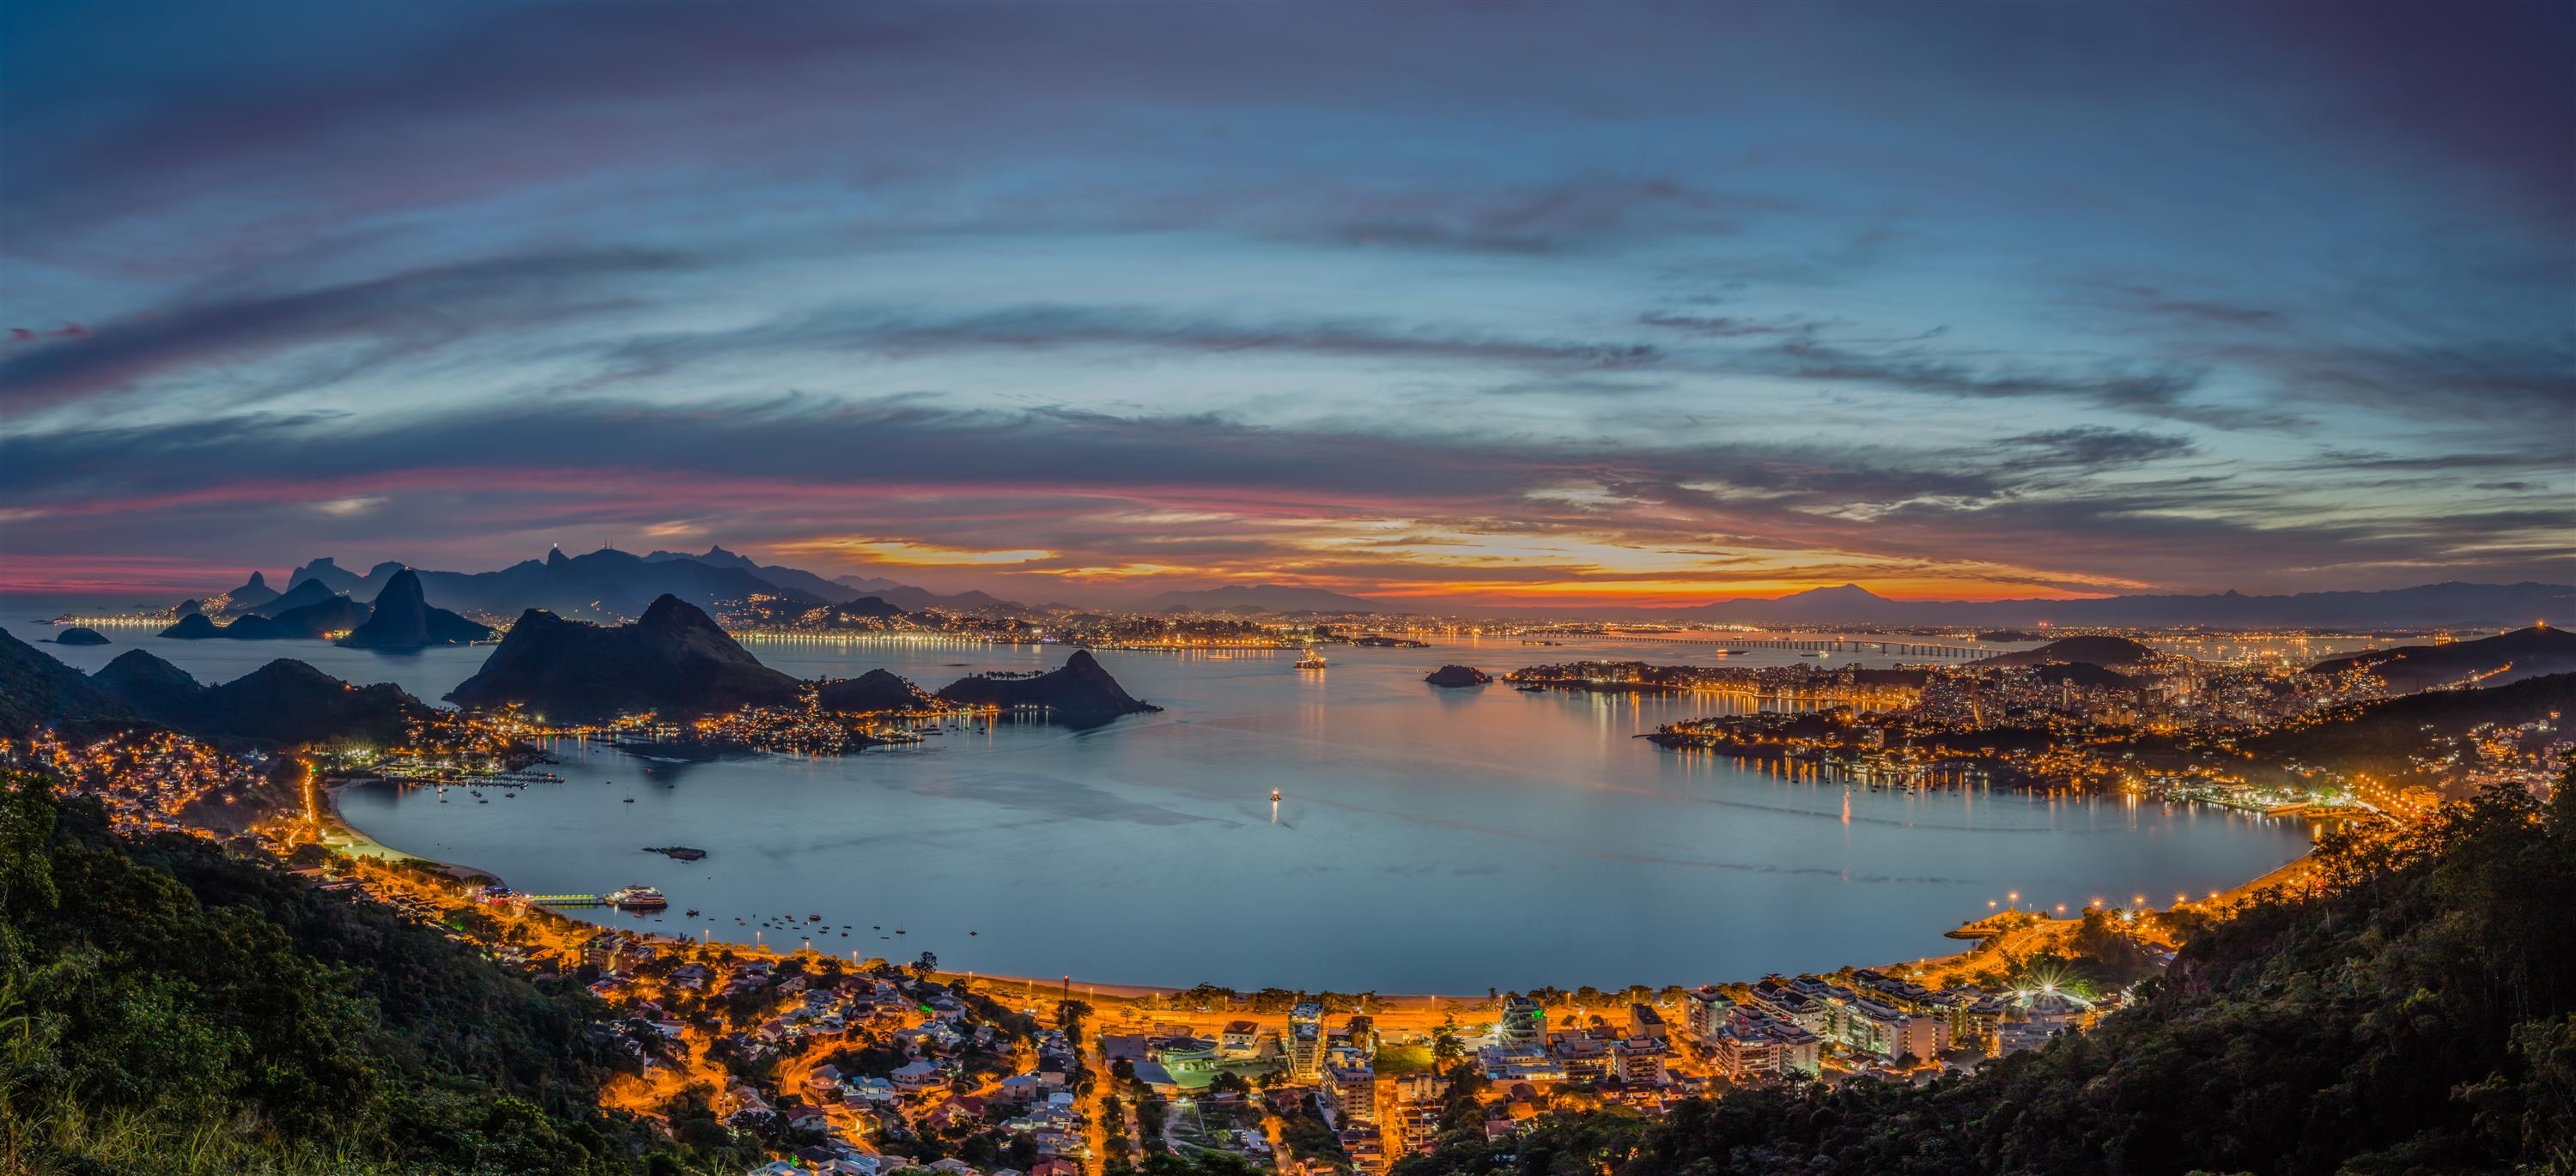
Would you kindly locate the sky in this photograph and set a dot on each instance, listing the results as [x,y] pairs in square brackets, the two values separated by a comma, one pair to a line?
[1488,303]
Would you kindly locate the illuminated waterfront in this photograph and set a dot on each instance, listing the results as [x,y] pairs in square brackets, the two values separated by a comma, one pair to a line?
[1427,839]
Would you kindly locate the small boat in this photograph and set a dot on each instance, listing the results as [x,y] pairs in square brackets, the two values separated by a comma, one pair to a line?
[1312,661]
[1274,796]
[970,935]
[692,914]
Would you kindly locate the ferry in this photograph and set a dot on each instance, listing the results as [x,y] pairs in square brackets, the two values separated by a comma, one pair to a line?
[636,898]
[1312,661]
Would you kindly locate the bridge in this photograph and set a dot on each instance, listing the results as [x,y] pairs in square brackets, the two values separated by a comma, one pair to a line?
[1885,648]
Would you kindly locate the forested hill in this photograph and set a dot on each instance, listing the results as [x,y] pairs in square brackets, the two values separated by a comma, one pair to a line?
[2415,1019]
[167,1008]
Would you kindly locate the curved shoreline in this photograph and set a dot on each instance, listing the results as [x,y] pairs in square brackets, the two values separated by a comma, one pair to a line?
[360,844]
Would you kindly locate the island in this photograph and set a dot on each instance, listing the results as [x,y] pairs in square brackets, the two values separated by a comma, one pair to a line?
[403,619]
[1457,676]
[1078,694]
[80,635]
[676,852]
[874,692]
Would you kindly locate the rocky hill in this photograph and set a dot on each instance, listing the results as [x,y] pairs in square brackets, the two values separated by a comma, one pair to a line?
[674,661]
[403,619]
[1079,694]
[2490,661]
[2090,651]
[876,690]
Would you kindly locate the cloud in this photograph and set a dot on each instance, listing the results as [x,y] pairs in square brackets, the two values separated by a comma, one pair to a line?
[388,316]
[1053,491]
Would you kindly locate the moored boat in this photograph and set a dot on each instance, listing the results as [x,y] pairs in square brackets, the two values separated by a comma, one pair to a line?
[636,898]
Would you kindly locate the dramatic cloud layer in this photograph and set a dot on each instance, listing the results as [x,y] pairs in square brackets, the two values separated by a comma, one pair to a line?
[1543,304]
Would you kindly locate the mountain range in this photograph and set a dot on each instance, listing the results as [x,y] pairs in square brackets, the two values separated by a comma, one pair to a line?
[2431,604]
[610,585]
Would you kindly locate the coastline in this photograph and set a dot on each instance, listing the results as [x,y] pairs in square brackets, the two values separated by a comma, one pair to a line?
[358,844]
[335,833]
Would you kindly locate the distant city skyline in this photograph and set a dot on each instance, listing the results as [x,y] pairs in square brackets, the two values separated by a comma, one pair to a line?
[1554,306]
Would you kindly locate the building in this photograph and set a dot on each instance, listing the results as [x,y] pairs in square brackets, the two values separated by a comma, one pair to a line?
[1881,1031]
[1639,1061]
[1522,1032]
[1305,1041]
[1706,1011]
[1240,1039]
[1644,1021]
[1350,1086]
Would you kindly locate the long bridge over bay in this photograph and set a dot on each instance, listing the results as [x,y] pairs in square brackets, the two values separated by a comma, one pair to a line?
[1885,647]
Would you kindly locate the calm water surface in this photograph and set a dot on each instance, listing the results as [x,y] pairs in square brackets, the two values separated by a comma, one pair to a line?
[1428,840]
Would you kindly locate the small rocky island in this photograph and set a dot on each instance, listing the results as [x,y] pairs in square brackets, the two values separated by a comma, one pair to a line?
[80,635]
[1457,676]
[1080,694]
[676,852]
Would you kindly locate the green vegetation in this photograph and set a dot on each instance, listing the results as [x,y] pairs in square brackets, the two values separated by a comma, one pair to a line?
[2414,1018]
[166,1007]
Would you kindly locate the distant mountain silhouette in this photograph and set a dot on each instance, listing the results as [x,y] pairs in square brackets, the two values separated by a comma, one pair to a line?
[1264,598]
[80,635]
[36,689]
[252,594]
[912,599]
[2509,657]
[609,584]
[2431,604]
[305,592]
[403,619]
[866,612]
[332,614]
[1455,676]
[2086,650]
[675,660]
[876,690]
[797,579]
[1078,694]
[332,576]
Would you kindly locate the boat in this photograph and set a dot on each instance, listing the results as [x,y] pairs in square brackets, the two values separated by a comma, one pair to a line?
[1312,661]
[692,914]
[636,898]
[628,800]
[1274,796]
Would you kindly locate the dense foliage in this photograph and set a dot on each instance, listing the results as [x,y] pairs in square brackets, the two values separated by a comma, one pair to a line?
[167,1007]
[2414,1018]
